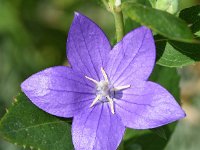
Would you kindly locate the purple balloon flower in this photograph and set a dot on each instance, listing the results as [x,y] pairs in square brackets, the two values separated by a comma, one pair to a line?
[104,90]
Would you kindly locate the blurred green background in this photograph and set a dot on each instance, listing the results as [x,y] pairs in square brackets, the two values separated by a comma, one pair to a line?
[33,35]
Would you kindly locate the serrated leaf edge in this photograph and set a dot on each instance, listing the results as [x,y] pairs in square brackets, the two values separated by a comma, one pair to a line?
[14,102]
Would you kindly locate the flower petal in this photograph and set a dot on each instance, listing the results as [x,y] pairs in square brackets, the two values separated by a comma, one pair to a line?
[97,129]
[147,105]
[132,58]
[59,91]
[87,47]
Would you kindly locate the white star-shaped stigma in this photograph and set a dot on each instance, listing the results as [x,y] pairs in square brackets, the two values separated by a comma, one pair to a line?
[104,90]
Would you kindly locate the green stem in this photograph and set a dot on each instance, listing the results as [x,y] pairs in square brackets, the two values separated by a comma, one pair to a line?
[119,23]
[118,16]
[106,4]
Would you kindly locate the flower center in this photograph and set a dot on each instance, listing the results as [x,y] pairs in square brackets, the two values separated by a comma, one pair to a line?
[103,88]
[105,91]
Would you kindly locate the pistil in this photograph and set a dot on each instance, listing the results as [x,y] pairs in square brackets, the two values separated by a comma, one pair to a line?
[103,90]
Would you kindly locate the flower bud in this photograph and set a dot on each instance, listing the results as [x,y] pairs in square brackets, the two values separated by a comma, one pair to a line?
[117,3]
[170,6]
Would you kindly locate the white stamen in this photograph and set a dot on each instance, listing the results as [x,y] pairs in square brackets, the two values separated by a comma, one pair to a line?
[95,100]
[104,74]
[119,88]
[93,80]
[111,104]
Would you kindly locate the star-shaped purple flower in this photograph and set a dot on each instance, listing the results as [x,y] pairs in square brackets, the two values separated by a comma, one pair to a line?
[104,90]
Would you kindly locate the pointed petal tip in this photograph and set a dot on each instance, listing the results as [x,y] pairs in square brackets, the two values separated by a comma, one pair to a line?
[24,85]
[76,13]
[182,114]
[30,83]
[145,28]
[165,109]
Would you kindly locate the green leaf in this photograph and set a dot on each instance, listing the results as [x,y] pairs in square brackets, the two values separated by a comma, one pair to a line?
[158,139]
[160,132]
[153,3]
[168,78]
[26,125]
[170,6]
[159,21]
[192,17]
[177,54]
[130,25]
[197,34]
